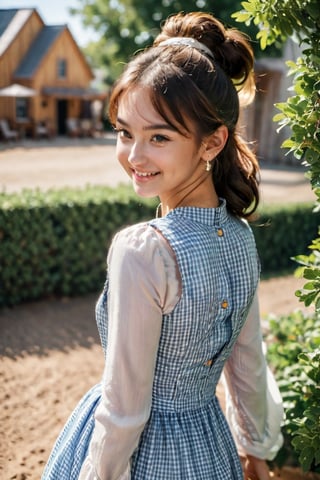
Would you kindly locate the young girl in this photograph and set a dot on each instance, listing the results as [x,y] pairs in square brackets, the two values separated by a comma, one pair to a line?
[180,301]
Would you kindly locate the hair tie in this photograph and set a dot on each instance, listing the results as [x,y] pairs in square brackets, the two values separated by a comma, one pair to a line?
[189,42]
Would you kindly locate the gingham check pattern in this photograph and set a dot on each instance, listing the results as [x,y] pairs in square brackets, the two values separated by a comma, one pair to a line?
[186,437]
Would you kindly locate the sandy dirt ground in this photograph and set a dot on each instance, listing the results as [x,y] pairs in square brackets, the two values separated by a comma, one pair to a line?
[49,350]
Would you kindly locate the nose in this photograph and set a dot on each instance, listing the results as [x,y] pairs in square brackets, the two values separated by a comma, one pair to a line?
[136,154]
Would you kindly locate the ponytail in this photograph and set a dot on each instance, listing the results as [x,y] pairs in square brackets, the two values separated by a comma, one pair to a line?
[236,177]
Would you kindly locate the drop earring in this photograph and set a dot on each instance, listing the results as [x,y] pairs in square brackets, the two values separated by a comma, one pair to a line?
[208,166]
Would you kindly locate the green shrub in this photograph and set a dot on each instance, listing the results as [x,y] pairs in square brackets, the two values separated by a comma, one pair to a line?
[310,270]
[306,440]
[294,355]
[281,231]
[56,242]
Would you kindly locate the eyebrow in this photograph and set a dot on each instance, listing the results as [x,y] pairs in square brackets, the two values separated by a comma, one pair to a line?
[156,126]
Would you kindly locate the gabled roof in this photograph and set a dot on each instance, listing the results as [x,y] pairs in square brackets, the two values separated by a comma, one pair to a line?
[38,50]
[11,22]
[5,19]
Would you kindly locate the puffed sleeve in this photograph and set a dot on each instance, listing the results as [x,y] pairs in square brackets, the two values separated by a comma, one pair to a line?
[143,285]
[253,402]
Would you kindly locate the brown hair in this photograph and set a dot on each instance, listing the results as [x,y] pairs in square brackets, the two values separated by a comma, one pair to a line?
[184,83]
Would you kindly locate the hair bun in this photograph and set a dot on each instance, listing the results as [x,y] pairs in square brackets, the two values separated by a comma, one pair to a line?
[230,48]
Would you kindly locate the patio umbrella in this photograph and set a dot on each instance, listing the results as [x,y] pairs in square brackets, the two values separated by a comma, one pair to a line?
[16,90]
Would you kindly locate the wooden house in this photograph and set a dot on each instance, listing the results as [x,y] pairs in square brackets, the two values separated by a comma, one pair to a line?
[47,60]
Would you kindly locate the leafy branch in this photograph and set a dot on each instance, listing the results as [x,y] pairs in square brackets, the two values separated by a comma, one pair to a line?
[279,20]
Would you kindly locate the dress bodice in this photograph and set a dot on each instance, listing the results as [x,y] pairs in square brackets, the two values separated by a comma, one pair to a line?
[216,292]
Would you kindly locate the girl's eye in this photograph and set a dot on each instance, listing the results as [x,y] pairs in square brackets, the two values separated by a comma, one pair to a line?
[160,138]
[122,133]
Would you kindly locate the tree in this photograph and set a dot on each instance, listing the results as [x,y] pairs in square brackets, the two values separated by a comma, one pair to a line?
[125,26]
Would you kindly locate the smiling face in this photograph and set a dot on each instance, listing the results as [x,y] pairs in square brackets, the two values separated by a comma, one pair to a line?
[161,160]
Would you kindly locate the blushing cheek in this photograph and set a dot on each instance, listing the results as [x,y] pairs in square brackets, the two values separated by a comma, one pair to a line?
[122,156]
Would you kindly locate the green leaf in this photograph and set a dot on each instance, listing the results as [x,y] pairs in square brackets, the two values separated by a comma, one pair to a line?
[249,6]
[311,274]
[308,286]
[306,457]
[278,117]
[289,143]
[241,17]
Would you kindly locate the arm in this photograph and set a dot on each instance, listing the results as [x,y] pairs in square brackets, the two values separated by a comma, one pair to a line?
[138,297]
[254,406]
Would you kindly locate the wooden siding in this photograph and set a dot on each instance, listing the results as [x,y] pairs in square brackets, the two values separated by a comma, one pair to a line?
[44,107]
[12,57]
[15,52]
[78,75]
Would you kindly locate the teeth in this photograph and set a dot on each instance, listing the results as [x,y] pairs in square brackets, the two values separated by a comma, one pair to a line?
[145,174]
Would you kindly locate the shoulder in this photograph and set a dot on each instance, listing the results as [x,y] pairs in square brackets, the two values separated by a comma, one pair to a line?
[139,255]
[136,237]
[246,227]
[140,241]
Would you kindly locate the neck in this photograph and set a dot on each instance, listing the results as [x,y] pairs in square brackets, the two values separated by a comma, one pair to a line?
[199,193]
[207,200]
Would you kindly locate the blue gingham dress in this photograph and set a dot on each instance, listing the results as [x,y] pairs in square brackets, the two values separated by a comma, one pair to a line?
[186,436]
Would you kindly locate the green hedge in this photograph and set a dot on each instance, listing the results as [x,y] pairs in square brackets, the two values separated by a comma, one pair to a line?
[282,232]
[56,242]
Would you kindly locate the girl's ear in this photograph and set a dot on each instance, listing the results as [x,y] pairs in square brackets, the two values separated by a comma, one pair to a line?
[214,143]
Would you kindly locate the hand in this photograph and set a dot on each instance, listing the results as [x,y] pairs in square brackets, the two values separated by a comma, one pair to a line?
[255,469]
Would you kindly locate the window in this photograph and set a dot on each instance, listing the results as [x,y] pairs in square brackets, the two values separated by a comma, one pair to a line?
[21,108]
[62,68]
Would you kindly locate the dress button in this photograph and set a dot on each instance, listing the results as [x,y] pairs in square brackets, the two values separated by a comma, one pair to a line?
[220,232]
[224,304]
[208,363]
